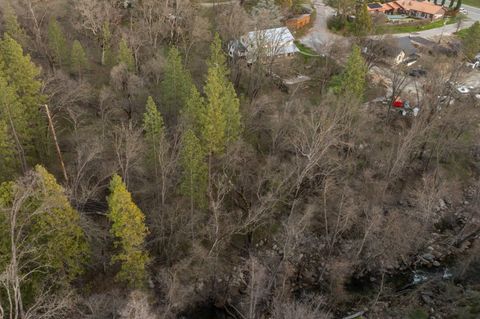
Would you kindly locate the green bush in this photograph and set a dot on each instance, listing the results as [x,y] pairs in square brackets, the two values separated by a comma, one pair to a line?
[336,23]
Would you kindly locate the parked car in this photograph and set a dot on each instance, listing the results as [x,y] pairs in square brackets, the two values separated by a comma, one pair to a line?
[417,73]
[463,11]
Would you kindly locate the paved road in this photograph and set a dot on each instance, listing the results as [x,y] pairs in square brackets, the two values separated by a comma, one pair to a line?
[319,37]
[473,15]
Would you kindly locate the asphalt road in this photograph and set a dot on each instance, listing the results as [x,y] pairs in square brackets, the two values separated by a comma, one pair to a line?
[319,37]
[473,15]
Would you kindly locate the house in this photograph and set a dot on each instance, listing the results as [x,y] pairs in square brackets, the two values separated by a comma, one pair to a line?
[264,43]
[386,8]
[411,8]
[421,9]
[376,7]
[401,50]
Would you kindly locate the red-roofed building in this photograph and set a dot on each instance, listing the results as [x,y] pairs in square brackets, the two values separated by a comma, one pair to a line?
[412,8]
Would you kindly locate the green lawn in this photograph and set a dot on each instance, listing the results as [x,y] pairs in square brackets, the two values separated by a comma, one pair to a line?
[462,33]
[306,50]
[409,28]
[473,3]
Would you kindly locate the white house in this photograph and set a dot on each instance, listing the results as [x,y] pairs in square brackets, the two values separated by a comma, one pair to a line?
[264,43]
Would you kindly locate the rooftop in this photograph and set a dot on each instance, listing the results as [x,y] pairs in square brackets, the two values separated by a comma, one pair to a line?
[421,6]
[278,35]
[375,5]
[405,44]
[407,5]
[275,41]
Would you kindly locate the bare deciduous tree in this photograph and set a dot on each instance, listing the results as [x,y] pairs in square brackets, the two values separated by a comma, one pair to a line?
[128,148]
[138,306]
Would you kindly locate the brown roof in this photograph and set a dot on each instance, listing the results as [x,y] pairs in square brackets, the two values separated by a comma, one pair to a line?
[424,6]
[394,5]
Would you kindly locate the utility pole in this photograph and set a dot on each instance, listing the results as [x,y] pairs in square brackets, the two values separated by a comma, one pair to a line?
[443,28]
[59,153]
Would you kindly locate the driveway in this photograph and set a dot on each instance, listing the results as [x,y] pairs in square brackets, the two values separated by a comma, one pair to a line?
[319,37]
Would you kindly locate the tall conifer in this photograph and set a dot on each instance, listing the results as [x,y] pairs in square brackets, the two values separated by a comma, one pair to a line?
[128,228]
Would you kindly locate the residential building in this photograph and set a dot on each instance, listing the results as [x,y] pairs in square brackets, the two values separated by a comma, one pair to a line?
[264,43]
[411,8]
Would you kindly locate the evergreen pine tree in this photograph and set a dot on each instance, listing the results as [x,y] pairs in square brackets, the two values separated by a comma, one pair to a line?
[363,20]
[11,25]
[195,171]
[7,154]
[21,76]
[154,130]
[191,114]
[78,58]
[125,56]
[459,5]
[217,62]
[176,84]
[129,230]
[231,108]
[157,144]
[471,41]
[106,43]
[153,122]
[57,43]
[353,78]
[221,121]
[67,248]
[213,119]
[47,227]
[11,120]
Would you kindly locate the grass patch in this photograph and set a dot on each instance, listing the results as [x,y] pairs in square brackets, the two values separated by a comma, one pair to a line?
[473,3]
[462,33]
[306,50]
[413,28]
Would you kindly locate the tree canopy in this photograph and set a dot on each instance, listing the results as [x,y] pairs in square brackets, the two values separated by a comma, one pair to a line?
[471,41]
[129,230]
